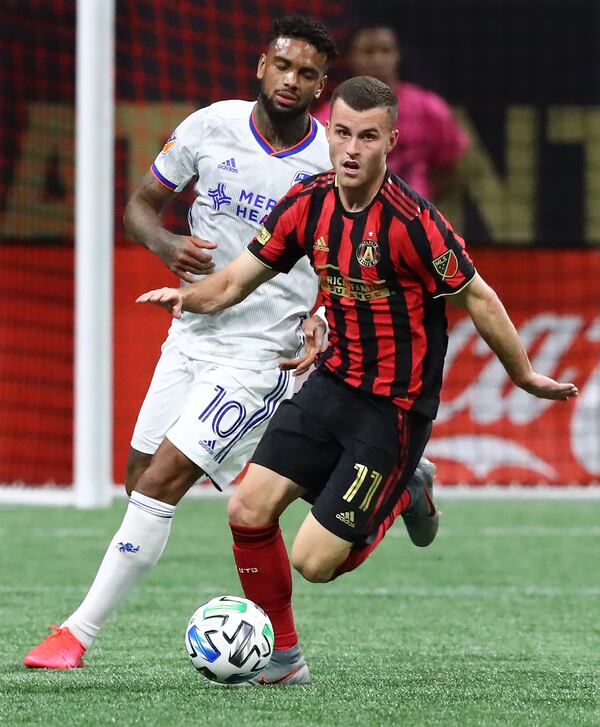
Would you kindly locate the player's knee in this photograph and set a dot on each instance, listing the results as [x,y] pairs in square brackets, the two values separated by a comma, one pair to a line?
[242,511]
[155,484]
[130,484]
[151,485]
[137,464]
[313,569]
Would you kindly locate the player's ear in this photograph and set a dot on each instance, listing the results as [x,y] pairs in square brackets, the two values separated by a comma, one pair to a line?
[260,68]
[319,90]
[393,140]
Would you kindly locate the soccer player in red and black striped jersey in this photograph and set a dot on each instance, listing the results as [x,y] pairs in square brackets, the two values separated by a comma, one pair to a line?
[351,438]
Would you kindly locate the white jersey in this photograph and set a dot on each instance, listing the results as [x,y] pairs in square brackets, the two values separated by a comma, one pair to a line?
[240,179]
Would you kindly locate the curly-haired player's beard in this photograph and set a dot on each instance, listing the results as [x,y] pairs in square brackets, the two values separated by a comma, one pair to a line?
[280,114]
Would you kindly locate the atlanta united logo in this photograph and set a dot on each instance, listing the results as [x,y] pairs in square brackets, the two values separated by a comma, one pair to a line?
[368,253]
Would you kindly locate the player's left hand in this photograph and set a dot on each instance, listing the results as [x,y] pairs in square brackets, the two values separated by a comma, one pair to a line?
[169,298]
[546,388]
[314,342]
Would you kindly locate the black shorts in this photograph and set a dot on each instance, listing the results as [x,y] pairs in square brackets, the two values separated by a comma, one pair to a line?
[354,452]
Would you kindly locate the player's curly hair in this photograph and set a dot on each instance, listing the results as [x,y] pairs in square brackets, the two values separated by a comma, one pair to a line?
[362,93]
[305,28]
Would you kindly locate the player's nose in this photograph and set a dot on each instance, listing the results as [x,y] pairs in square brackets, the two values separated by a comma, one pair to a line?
[352,146]
[291,79]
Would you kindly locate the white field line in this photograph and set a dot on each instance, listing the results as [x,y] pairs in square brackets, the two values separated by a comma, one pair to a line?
[45,495]
[467,590]
[53,496]
[517,492]
[460,590]
[63,496]
[524,531]
[68,533]
[521,531]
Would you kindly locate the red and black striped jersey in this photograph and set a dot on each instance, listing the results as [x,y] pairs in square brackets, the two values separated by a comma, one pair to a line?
[384,272]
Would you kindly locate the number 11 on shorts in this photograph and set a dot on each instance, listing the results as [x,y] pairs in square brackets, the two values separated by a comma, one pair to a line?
[361,475]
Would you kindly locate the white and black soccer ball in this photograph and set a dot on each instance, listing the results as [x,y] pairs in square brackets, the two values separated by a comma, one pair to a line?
[229,639]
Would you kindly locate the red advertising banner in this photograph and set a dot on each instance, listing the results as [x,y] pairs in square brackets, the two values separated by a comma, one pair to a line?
[488,430]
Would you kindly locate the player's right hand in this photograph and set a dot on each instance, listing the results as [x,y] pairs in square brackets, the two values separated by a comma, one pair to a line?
[169,298]
[185,256]
[546,388]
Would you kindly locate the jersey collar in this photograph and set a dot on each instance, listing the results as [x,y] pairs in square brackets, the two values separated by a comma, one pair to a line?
[281,153]
[364,210]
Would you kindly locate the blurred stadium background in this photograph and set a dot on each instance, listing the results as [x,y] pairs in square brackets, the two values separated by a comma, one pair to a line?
[523,76]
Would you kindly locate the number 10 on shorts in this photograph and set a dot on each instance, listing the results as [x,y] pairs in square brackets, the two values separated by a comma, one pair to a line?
[233,410]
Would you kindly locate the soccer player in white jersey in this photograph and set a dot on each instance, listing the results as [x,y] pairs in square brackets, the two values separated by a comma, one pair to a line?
[218,380]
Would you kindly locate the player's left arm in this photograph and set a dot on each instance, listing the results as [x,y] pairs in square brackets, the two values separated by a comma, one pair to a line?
[219,291]
[496,328]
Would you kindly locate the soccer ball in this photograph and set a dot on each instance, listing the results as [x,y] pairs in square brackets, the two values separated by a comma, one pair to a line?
[229,639]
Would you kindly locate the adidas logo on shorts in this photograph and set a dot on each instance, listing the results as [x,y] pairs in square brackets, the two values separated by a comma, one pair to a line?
[229,165]
[347,518]
[208,445]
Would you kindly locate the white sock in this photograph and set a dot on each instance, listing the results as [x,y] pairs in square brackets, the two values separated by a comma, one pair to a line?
[135,548]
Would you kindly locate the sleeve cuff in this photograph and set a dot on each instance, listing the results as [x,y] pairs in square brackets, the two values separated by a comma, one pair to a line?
[320,312]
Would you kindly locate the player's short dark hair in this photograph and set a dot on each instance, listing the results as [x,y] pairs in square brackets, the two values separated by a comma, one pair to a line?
[304,27]
[362,93]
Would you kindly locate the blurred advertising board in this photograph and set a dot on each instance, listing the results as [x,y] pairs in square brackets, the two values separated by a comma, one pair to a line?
[488,430]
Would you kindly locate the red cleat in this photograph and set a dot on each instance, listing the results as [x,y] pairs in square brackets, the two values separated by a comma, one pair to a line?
[60,650]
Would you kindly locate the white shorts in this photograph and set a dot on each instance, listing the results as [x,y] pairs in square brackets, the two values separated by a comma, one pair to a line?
[214,414]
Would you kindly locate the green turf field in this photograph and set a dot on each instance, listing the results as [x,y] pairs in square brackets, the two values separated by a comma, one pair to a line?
[497,623]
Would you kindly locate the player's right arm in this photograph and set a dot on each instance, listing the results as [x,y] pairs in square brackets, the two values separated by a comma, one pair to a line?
[219,291]
[275,249]
[183,254]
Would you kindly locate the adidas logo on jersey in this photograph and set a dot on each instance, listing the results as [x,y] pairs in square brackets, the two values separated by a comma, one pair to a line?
[321,244]
[208,445]
[347,518]
[229,165]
